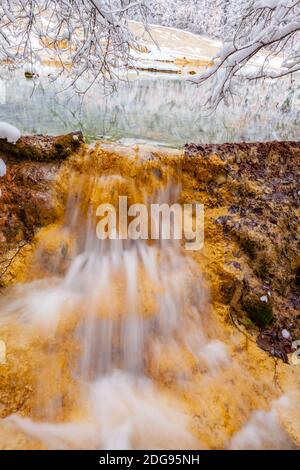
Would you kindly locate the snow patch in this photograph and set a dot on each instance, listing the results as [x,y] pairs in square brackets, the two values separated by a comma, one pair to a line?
[9,132]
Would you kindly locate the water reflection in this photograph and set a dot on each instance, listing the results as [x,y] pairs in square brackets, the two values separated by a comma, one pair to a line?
[167,111]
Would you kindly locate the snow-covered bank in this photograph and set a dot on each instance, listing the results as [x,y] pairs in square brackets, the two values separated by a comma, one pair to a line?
[164,50]
[167,45]
[183,48]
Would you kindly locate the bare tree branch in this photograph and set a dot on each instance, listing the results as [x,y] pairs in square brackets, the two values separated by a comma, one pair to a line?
[89,40]
[268,27]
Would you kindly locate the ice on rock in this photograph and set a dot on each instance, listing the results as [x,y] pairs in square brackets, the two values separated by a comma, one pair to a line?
[2,168]
[9,132]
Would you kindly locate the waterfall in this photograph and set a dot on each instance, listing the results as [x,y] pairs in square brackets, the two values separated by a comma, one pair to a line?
[121,334]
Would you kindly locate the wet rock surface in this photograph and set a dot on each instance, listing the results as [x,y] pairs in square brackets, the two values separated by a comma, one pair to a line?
[275,344]
[251,195]
[259,185]
[26,201]
[42,148]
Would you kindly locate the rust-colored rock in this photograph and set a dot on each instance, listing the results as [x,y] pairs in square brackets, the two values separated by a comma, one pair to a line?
[42,148]
[26,201]
[261,199]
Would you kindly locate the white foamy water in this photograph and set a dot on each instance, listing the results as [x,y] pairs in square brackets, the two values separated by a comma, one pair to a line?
[136,316]
[124,413]
[264,430]
[131,301]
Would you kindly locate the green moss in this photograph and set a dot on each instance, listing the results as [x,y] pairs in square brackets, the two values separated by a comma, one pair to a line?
[249,247]
[262,266]
[259,312]
[247,323]
[282,285]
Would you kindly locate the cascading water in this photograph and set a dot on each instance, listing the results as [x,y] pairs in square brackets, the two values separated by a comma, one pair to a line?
[126,349]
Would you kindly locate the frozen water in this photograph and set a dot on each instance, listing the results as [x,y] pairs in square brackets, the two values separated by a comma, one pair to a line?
[9,132]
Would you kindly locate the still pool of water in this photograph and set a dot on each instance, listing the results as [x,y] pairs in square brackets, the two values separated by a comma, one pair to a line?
[166,111]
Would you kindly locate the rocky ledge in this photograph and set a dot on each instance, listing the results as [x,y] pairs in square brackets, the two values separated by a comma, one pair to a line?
[26,201]
[258,185]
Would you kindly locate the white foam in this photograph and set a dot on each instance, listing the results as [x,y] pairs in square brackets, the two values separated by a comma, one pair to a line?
[40,305]
[263,430]
[215,354]
[124,413]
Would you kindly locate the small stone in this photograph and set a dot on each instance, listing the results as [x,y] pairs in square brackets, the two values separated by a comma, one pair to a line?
[264,298]
[29,74]
[222,219]
[285,334]
[236,265]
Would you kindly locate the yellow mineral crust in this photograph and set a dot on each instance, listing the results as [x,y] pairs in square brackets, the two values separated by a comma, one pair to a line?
[38,372]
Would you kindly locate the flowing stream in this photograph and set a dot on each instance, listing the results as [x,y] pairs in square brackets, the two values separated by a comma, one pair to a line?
[119,338]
